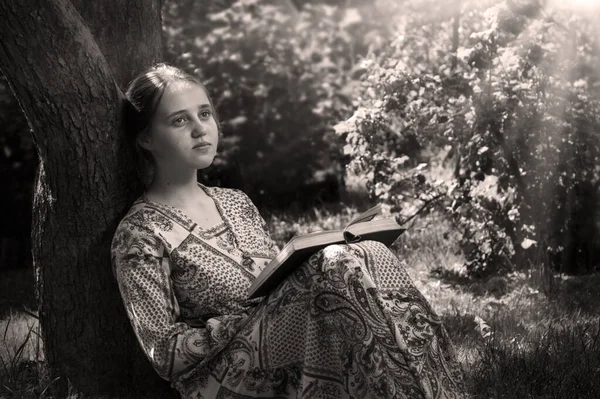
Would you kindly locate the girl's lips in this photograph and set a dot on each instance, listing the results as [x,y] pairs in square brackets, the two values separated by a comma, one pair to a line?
[203,145]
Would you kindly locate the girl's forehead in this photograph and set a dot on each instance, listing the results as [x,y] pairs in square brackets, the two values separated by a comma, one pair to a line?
[180,96]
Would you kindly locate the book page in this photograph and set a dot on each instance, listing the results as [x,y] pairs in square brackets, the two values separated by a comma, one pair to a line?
[365,216]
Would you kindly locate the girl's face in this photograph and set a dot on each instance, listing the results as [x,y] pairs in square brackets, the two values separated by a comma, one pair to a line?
[183,133]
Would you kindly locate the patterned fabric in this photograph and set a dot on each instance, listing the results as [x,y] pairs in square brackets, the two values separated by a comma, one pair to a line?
[348,323]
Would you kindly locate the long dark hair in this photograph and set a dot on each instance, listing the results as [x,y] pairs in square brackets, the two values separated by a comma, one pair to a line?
[142,97]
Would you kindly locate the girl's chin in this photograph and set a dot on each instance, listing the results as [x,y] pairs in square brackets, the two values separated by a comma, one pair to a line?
[203,165]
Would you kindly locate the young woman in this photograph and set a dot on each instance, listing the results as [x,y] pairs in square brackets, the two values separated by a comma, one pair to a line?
[348,323]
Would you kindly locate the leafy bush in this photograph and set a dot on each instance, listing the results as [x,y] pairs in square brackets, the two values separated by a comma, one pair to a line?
[280,80]
[517,103]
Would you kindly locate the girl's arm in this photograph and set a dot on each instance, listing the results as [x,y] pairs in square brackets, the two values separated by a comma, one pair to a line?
[141,266]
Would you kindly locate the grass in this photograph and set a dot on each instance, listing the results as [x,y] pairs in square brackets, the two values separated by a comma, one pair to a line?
[518,335]
[22,373]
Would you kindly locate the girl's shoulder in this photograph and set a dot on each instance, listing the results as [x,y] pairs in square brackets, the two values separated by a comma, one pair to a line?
[224,192]
[143,217]
[231,197]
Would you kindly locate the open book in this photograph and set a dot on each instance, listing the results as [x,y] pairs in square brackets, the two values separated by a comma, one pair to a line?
[299,248]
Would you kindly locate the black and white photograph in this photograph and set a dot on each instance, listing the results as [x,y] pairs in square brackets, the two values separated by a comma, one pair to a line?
[300,199]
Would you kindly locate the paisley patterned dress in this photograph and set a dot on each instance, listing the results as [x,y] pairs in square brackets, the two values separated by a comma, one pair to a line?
[348,323]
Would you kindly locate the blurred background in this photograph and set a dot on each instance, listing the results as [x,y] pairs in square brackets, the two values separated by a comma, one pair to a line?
[476,120]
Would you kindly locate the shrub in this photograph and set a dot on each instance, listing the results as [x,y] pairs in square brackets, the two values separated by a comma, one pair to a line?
[280,78]
[517,103]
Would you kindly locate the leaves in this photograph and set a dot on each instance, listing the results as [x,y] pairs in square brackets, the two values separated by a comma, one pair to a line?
[278,78]
[516,105]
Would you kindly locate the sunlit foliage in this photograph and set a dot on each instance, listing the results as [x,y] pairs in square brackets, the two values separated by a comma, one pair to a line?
[516,102]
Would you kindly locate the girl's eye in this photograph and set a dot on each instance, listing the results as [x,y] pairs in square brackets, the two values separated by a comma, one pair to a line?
[205,114]
[180,121]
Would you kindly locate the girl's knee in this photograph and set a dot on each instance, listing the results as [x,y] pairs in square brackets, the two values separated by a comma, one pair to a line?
[334,250]
[338,257]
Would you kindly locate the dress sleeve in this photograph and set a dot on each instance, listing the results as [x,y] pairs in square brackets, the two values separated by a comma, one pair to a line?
[141,267]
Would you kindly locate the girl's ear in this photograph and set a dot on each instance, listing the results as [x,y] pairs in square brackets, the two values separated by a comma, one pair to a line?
[145,141]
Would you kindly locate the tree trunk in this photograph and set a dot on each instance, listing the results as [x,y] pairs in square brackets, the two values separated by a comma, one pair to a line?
[84,186]
[130,39]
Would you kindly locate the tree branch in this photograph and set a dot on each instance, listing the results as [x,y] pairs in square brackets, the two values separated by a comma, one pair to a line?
[426,204]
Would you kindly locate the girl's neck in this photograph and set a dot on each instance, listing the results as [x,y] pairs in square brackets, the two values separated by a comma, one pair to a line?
[175,189]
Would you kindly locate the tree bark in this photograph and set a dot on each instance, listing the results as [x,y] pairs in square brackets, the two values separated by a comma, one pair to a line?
[85,184]
[130,39]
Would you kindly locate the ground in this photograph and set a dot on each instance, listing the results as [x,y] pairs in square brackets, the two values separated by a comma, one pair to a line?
[522,334]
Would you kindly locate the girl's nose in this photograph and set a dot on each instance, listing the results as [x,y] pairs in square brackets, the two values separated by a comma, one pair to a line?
[198,128]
